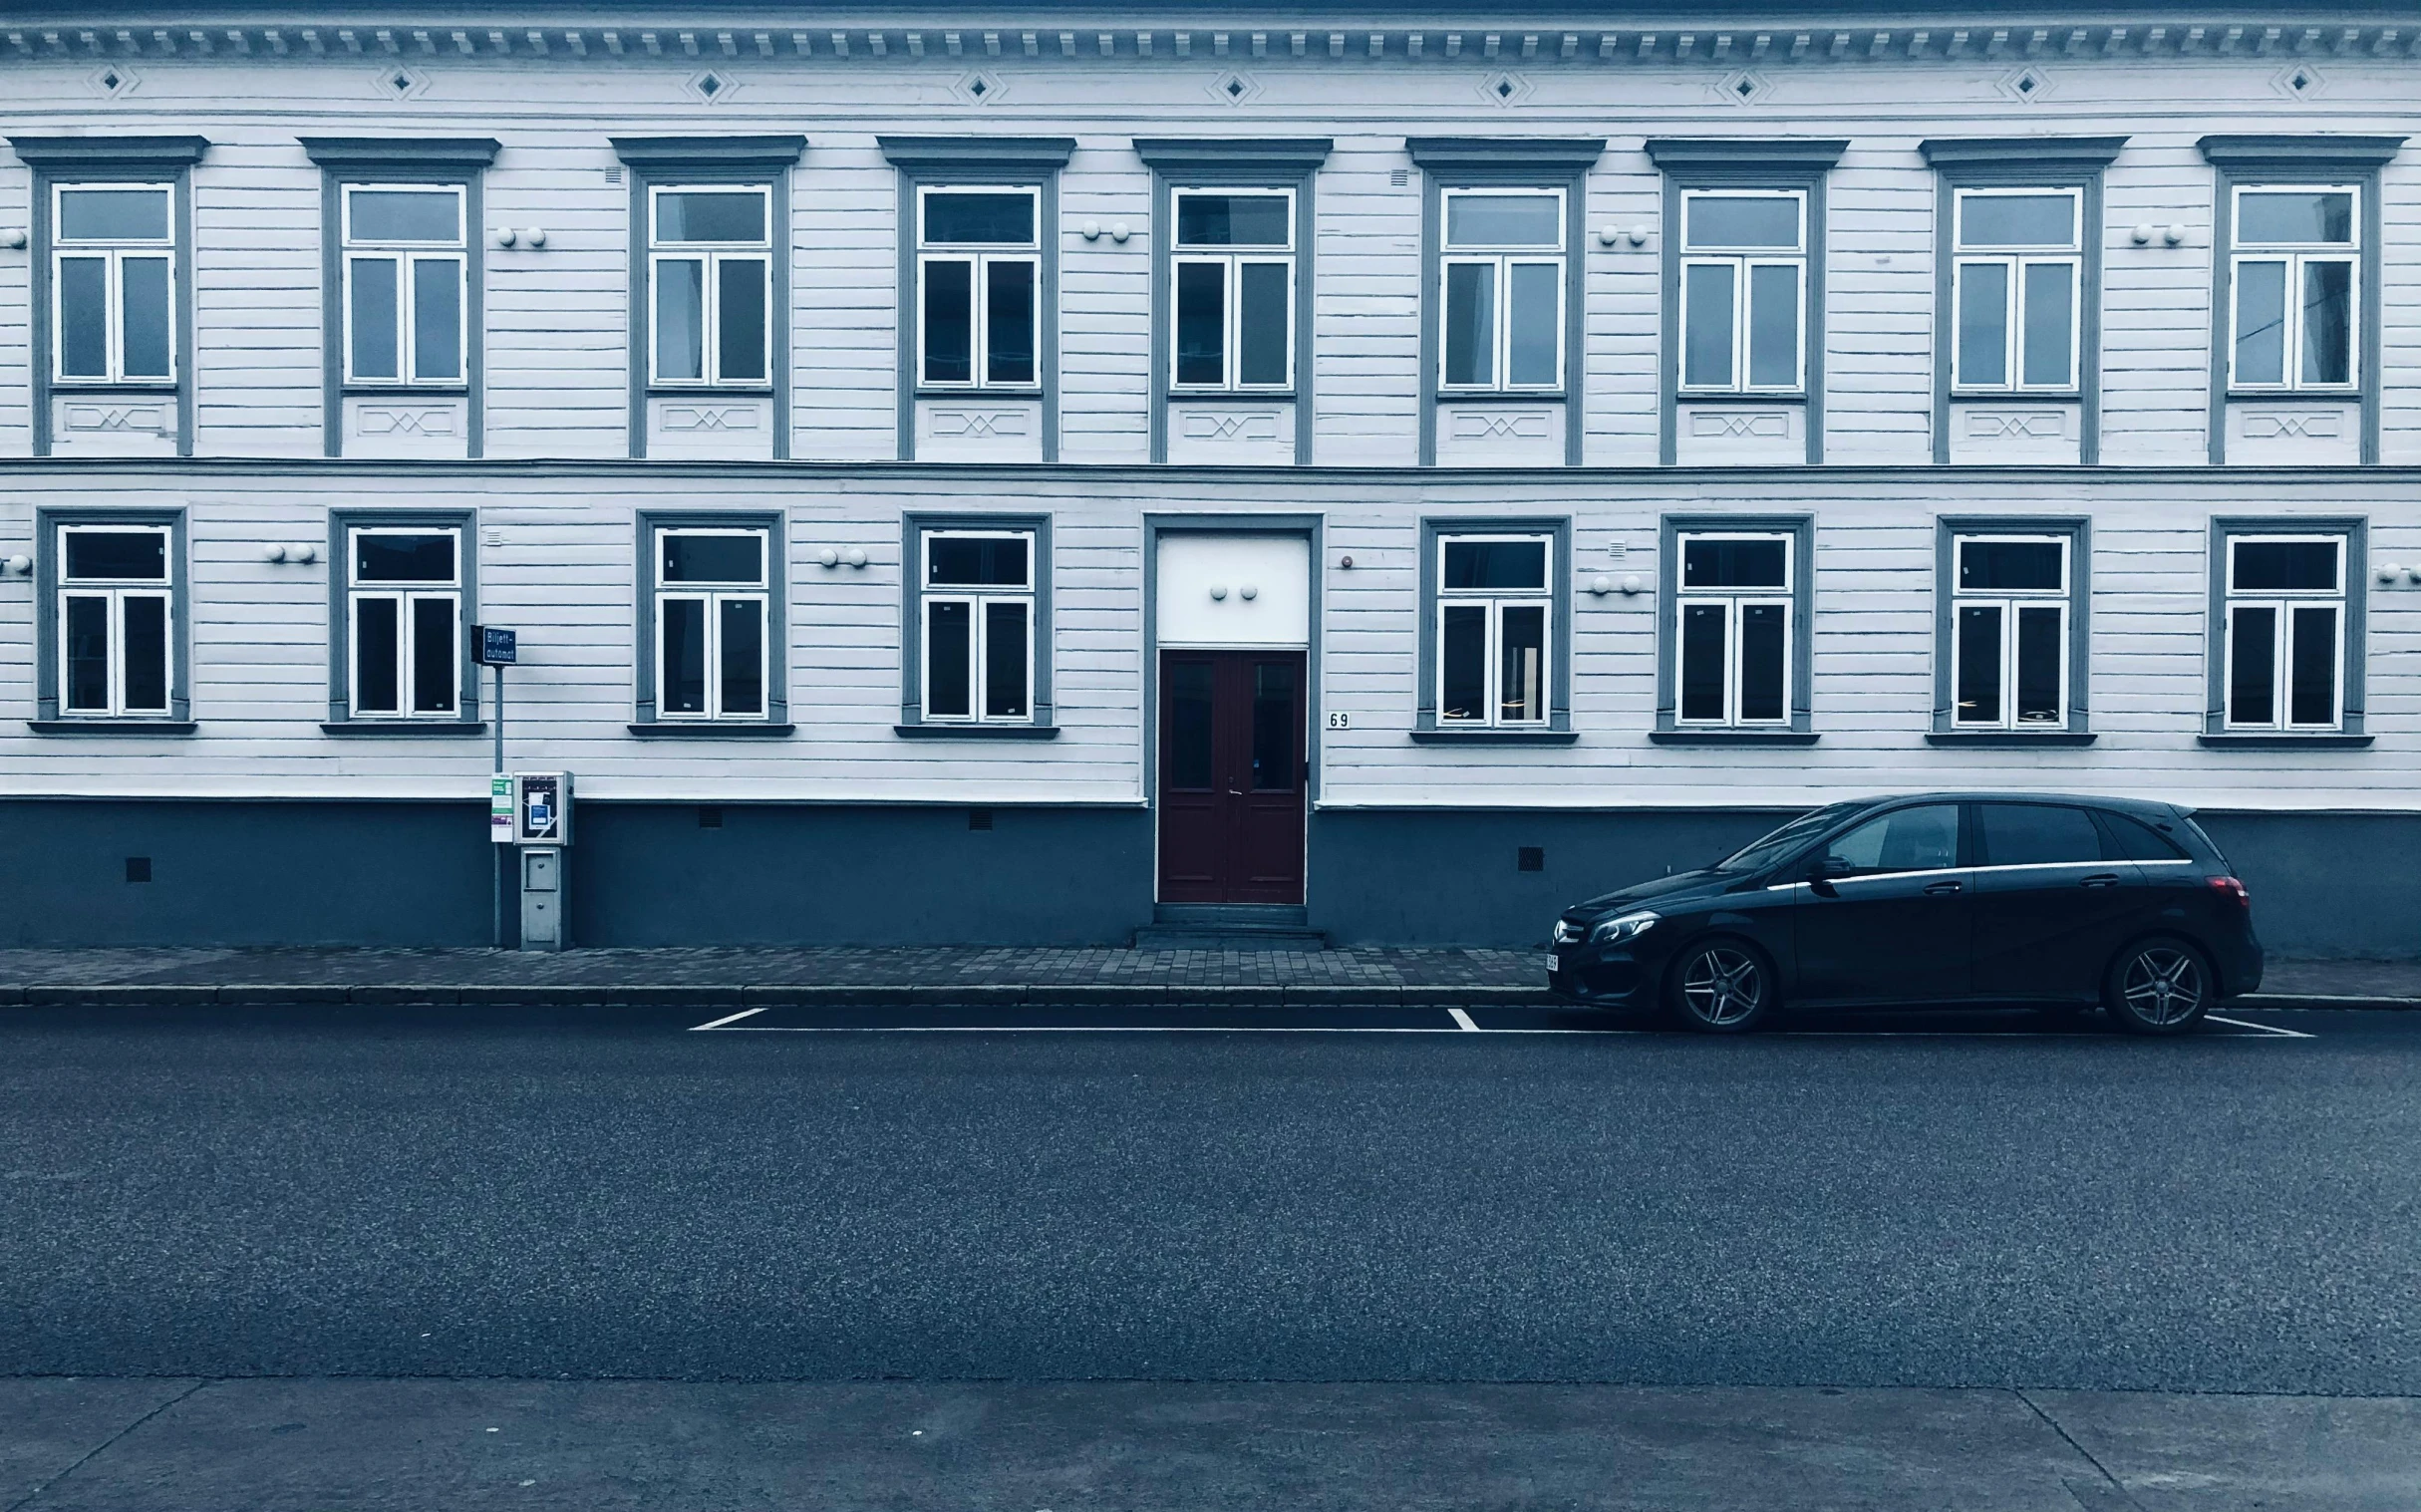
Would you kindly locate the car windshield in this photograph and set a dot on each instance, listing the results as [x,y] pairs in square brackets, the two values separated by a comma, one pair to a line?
[1762,853]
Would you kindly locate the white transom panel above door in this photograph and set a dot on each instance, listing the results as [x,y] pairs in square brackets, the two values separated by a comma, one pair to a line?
[1218,589]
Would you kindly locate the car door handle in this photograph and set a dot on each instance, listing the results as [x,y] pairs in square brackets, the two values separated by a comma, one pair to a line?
[2100,879]
[1940,889]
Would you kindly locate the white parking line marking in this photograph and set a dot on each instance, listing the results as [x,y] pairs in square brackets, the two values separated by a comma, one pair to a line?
[2267,1028]
[746,1013]
[1464,1019]
[1127,1029]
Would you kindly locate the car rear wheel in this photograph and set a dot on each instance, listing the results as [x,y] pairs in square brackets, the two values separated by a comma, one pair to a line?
[2158,987]
[1722,987]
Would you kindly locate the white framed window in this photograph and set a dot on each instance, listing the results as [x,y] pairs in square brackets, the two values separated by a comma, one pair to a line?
[2009,631]
[1494,607]
[1743,293]
[977,635]
[403,621]
[979,269]
[2017,266]
[115,608]
[2282,667]
[405,269]
[713,619]
[710,282]
[1232,278]
[2294,272]
[1732,609]
[112,283]
[1501,289]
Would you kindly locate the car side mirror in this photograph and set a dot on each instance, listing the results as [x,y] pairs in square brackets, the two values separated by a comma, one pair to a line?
[1821,873]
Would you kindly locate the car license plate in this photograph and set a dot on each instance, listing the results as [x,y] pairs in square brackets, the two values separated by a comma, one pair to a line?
[1552,961]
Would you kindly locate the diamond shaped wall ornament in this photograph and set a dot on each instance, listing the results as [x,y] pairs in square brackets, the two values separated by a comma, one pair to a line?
[111,79]
[1745,87]
[982,88]
[1232,88]
[1504,89]
[398,82]
[712,87]
[2026,84]
[2298,81]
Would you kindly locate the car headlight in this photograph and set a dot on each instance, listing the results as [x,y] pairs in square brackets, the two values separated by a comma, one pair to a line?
[1622,927]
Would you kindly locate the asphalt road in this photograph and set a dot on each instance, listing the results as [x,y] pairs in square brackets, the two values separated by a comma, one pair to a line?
[485,1194]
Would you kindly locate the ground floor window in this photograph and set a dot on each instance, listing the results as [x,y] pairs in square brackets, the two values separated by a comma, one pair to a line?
[2285,632]
[978,622]
[114,624]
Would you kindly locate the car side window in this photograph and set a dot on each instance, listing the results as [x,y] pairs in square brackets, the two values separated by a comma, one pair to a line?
[1925,838]
[2036,835]
[2128,839]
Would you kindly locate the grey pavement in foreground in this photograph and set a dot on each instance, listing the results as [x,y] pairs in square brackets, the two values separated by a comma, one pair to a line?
[307,1445]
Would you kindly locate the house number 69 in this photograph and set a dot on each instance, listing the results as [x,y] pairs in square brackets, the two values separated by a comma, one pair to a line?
[1339,720]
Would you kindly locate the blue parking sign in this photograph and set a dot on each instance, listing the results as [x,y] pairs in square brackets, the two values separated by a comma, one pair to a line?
[498,647]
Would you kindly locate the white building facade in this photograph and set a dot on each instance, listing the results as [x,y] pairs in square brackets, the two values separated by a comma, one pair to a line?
[968,477]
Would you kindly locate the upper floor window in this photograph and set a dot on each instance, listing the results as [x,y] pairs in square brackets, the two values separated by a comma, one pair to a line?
[1493,604]
[112,277]
[2009,631]
[1733,630]
[403,621]
[712,610]
[1744,290]
[2017,268]
[709,266]
[2285,607]
[115,597]
[1233,269]
[2295,269]
[978,271]
[978,631]
[406,265]
[1501,275]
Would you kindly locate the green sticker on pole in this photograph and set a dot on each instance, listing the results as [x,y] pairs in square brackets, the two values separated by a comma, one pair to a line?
[499,809]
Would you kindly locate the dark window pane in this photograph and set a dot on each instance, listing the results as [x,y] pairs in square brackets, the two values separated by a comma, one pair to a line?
[1978,663]
[405,215]
[437,319]
[2253,681]
[1773,327]
[2312,666]
[432,656]
[1534,314]
[2038,834]
[2133,841]
[137,555]
[88,654]
[113,215]
[963,219]
[1463,659]
[739,344]
[949,660]
[2328,322]
[2295,216]
[1264,316]
[2041,652]
[684,688]
[1703,632]
[1470,323]
[1521,673]
[1004,661]
[2050,318]
[1763,644]
[1707,338]
[1495,564]
[948,322]
[2017,221]
[1232,220]
[1746,221]
[1273,728]
[84,317]
[1504,220]
[2006,566]
[680,320]
[1734,563]
[1925,838]
[371,322]
[2260,322]
[143,317]
[1009,322]
[2284,567]
[743,671]
[147,668]
[984,561]
[1201,323]
[376,656]
[383,558]
[1188,752]
[1984,324]
[701,558]
[711,215]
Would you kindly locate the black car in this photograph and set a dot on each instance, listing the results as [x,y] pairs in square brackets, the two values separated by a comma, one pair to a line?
[1932,900]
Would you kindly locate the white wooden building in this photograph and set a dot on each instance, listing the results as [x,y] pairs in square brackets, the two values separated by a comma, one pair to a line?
[1003,475]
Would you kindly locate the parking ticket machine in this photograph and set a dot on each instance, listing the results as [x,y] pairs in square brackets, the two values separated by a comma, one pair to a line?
[542,831]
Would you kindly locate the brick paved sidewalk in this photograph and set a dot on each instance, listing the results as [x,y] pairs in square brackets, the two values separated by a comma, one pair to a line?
[844,973]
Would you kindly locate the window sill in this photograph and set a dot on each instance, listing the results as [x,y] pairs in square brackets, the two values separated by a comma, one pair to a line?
[1498,396]
[2010,737]
[709,730]
[976,731]
[403,728]
[1733,737]
[146,388]
[710,390]
[2016,396]
[2297,396]
[1433,735]
[1230,395]
[980,394]
[1738,397]
[111,727]
[2316,740]
[356,390]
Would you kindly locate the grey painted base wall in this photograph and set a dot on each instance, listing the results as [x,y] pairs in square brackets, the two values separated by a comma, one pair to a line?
[313,873]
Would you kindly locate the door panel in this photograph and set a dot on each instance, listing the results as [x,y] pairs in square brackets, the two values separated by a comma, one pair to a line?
[2050,910]
[1232,766]
[1891,923]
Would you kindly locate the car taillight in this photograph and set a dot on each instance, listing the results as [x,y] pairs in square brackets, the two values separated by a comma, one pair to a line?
[2233,888]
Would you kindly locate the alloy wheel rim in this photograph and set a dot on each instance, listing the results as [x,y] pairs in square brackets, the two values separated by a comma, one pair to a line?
[1722,987]
[2163,986]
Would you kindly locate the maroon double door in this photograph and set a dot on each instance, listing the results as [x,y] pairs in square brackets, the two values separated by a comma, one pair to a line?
[1232,769]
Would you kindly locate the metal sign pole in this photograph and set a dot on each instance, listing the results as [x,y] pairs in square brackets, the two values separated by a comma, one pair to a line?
[499,648]
[497,870]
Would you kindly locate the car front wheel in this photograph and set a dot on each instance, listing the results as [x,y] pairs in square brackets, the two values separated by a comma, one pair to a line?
[1722,987]
[2158,987]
